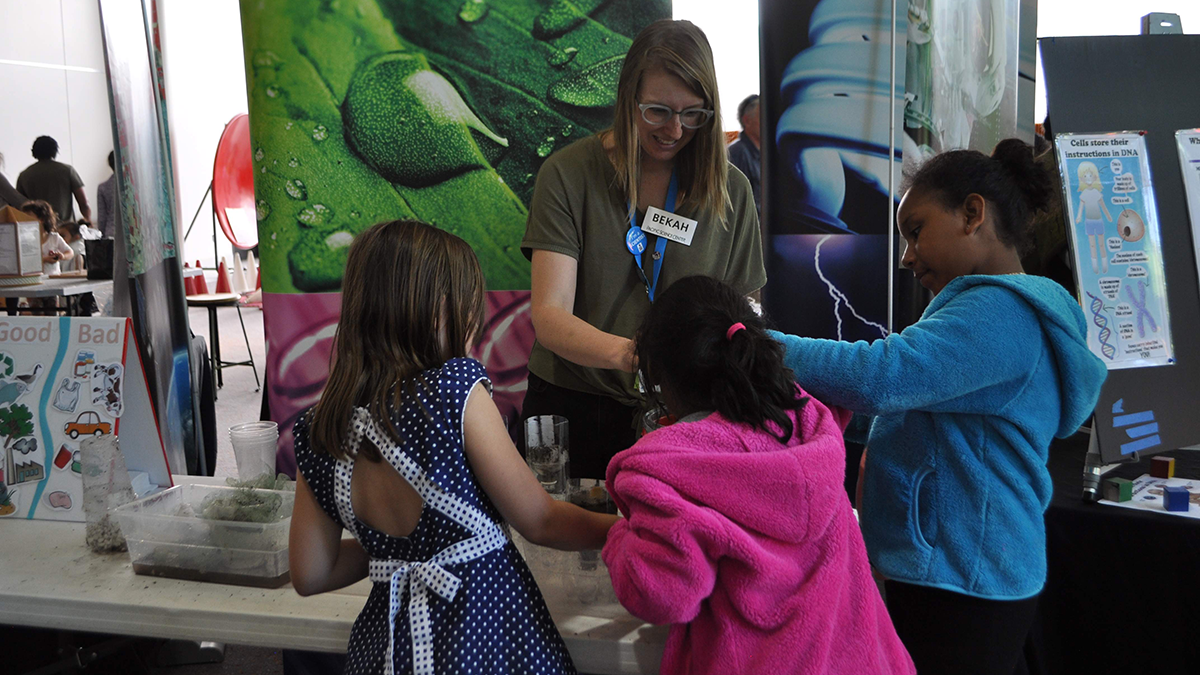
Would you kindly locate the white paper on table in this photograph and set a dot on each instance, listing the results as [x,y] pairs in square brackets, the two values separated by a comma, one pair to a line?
[1147,495]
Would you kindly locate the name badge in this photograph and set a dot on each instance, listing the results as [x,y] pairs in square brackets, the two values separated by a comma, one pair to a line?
[669,226]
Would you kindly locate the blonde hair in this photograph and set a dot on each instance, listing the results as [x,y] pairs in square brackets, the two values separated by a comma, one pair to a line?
[681,49]
[1085,184]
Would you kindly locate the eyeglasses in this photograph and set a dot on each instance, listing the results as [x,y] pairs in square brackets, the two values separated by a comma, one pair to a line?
[658,115]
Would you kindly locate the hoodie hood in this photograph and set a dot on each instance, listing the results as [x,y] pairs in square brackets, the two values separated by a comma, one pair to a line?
[1080,372]
[747,476]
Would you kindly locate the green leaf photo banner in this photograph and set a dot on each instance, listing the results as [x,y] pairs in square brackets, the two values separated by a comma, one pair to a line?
[363,111]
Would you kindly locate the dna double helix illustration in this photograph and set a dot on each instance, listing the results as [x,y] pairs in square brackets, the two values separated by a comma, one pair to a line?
[1139,304]
[1101,321]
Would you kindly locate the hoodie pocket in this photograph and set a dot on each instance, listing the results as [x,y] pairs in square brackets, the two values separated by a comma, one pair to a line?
[922,498]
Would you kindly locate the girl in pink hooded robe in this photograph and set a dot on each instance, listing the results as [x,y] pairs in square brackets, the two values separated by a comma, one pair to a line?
[738,529]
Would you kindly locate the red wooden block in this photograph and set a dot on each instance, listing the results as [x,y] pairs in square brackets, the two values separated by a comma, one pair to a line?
[1162,467]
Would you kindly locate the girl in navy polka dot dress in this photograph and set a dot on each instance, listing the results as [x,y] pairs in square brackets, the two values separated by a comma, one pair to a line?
[407,451]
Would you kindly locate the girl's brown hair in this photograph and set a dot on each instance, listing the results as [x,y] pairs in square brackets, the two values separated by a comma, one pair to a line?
[681,49]
[44,213]
[412,298]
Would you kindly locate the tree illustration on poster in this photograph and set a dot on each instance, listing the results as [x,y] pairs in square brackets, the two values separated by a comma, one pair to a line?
[374,110]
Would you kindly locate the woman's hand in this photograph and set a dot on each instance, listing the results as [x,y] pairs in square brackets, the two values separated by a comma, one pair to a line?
[557,327]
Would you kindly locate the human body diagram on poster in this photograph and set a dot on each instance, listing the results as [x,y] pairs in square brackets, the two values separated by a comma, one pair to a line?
[1118,251]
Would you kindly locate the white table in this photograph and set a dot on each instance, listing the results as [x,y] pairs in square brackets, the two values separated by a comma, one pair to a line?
[56,288]
[49,579]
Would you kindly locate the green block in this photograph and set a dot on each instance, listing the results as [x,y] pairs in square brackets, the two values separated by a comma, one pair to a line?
[1118,489]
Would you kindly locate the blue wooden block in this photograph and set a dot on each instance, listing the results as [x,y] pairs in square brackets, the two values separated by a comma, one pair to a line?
[1175,498]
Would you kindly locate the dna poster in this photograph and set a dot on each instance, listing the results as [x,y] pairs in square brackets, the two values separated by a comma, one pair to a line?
[1109,197]
[1188,141]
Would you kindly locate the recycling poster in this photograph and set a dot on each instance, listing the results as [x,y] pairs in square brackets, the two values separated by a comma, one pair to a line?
[1188,141]
[63,380]
[1118,252]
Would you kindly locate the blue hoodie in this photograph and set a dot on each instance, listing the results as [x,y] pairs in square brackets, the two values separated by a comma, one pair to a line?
[966,402]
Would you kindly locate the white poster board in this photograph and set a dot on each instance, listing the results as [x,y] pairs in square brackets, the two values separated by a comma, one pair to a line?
[1118,251]
[1189,163]
[61,380]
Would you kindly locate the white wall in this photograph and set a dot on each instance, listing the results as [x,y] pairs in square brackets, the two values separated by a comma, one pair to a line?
[52,75]
[206,86]
[732,30]
[1068,18]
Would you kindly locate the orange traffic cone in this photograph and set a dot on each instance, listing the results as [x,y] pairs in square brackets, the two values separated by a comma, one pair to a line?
[189,284]
[200,284]
[223,278]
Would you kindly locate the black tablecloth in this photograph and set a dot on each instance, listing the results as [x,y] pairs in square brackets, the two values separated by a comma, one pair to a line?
[1122,592]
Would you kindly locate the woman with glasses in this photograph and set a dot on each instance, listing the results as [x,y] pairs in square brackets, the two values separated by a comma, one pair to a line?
[616,218]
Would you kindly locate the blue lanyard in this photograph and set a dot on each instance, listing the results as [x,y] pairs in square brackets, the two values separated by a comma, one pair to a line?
[635,240]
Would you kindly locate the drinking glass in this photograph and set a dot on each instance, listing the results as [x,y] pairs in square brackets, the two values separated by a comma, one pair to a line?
[546,451]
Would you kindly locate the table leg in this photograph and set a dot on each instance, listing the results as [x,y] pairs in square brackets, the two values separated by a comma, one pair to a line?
[216,346]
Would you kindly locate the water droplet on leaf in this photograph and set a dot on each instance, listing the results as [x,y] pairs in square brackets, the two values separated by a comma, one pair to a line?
[592,87]
[558,18]
[262,209]
[293,162]
[561,58]
[546,147]
[296,189]
[472,11]
[315,215]
[340,239]
[320,133]
[266,59]
[259,154]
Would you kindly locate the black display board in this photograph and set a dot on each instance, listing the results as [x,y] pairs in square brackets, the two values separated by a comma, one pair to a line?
[1150,83]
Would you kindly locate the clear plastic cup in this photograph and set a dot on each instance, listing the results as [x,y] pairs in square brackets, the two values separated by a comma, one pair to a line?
[254,445]
[546,451]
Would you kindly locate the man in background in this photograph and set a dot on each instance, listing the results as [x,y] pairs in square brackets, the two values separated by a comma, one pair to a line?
[53,182]
[744,152]
[106,203]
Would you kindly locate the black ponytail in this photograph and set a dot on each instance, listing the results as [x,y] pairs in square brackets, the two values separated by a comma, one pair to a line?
[685,345]
[1011,181]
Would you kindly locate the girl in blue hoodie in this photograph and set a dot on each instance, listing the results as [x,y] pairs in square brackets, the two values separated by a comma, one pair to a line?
[965,403]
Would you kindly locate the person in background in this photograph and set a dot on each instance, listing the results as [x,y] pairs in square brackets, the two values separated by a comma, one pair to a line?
[53,182]
[745,152]
[966,403]
[106,203]
[592,263]
[54,249]
[71,232]
[9,196]
[738,531]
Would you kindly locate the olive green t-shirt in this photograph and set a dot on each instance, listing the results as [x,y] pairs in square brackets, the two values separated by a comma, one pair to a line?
[54,182]
[578,210]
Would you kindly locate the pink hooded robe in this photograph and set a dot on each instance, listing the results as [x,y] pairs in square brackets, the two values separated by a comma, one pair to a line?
[750,549]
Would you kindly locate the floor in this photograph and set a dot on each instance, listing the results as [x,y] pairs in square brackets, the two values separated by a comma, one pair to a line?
[240,400]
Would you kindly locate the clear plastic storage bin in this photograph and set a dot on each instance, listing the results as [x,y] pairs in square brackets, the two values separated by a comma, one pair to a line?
[168,538]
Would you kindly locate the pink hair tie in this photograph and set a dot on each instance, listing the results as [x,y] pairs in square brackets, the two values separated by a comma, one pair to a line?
[733,329]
